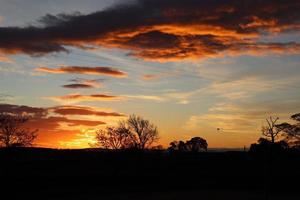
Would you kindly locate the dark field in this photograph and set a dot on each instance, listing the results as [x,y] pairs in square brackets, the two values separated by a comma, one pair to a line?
[94,174]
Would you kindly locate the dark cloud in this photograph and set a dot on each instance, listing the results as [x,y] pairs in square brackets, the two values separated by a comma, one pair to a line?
[163,29]
[81,83]
[78,86]
[108,71]
[26,110]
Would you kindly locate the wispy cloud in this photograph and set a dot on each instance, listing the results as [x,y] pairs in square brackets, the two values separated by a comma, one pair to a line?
[150,76]
[146,97]
[74,98]
[5,97]
[243,117]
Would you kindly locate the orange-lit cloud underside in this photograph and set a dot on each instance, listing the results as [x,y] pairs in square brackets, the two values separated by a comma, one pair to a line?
[164,30]
[62,124]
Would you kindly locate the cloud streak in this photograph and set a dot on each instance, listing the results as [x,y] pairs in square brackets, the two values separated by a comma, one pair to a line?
[108,71]
[164,29]
[72,98]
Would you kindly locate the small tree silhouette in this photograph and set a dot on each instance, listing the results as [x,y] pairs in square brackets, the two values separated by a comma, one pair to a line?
[196,144]
[12,134]
[271,130]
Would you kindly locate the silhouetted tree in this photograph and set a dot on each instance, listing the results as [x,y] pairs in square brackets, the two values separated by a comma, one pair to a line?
[271,130]
[113,138]
[196,144]
[135,132]
[291,132]
[12,134]
[143,133]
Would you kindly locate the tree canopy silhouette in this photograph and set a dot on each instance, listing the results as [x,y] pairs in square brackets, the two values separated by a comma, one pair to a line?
[291,132]
[195,144]
[143,132]
[113,138]
[12,132]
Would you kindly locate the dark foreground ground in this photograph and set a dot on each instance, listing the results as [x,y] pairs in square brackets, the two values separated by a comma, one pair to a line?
[90,174]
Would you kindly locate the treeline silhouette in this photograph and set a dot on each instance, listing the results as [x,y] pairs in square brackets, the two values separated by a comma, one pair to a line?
[140,134]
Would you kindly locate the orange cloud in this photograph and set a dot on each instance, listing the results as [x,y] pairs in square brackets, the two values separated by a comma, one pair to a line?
[178,30]
[108,71]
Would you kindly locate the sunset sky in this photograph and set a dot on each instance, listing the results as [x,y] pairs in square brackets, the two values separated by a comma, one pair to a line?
[190,67]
